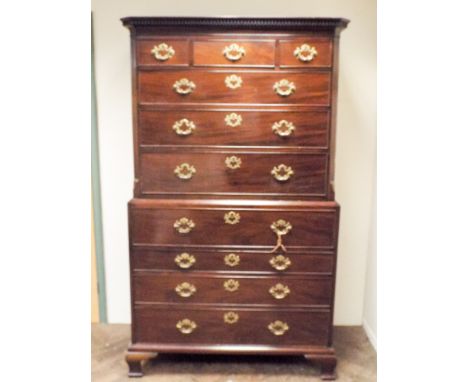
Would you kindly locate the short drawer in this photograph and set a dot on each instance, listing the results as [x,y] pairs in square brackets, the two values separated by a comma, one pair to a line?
[214,223]
[248,87]
[234,127]
[175,287]
[232,261]
[234,53]
[233,173]
[230,326]
[162,52]
[305,52]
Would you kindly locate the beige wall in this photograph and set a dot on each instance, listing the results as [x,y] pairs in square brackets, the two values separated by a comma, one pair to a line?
[355,137]
[369,318]
[94,282]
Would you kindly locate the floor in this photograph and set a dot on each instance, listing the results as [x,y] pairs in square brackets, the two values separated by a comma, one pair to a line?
[357,362]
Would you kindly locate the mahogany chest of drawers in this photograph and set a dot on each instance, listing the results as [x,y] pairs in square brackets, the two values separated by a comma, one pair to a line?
[233,228]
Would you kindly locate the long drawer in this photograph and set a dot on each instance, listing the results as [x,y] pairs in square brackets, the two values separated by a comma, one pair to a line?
[234,127]
[233,173]
[217,223]
[244,87]
[230,326]
[231,289]
[314,262]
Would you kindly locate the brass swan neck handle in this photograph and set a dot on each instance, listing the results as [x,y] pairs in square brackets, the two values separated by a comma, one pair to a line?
[279,244]
[280,227]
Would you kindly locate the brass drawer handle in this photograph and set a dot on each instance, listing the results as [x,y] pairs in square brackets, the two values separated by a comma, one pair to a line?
[184,86]
[305,52]
[283,128]
[278,328]
[232,260]
[280,262]
[231,285]
[284,88]
[163,52]
[279,291]
[233,81]
[184,225]
[233,120]
[231,318]
[280,227]
[185,171]
[233,162]
[234,52]
[184,127]
[186,326]
[282,173]
[231,217]
[185,260]
[185,289]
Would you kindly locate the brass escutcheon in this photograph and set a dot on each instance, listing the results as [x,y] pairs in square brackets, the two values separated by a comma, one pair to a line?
[232,217]
[233,162]
[231,317]
[231,285]
[233,120]
[233,81]
[232,260]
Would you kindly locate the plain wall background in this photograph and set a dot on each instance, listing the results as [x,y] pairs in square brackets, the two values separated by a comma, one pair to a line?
[369,319]
[356,133]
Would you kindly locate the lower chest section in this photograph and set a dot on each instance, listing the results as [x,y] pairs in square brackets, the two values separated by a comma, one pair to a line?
[210,272]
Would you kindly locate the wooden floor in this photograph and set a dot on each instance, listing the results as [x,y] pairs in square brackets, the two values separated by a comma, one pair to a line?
[356,362]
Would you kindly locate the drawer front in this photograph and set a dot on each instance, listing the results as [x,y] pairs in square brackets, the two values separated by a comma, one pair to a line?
[254,87]
[233,173]
[234,128]
[231,261]
[232,226]
[231,289]
[305,52]
[234,53]
[170,325]
[162,52]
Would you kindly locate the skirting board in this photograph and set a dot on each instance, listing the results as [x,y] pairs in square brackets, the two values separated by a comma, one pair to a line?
[370,334]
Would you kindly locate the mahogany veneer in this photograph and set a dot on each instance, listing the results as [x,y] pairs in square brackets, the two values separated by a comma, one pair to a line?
[314,226]
[214,260]
[252,289]
[255,131]
[310,326]
[253,177]
[234,227]
[257,87]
